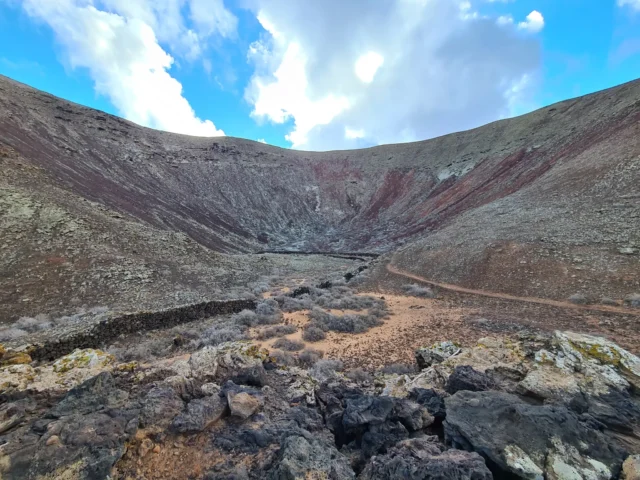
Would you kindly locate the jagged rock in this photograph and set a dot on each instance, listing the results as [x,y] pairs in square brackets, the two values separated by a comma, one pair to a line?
[96,393]
[11,414]
[432,400]
[411,414]
[580,352]
[631,468]
[466,378]
[84,439]
[227,360]
[159,407]
[438,353]
[378,438]
[530,440]
[425,458]
[210,389]
[199,414]
[254,376]
[12,357]
[187,388]
[366,410]
[86,358]
[204,363]
[303,458]
[242,404]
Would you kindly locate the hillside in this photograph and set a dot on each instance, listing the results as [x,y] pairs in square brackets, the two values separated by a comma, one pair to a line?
[546,204]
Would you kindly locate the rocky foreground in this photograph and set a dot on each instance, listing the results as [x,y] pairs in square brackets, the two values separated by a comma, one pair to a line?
[562,406]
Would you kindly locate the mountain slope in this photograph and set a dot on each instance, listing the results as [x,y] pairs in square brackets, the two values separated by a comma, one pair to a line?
[540,204]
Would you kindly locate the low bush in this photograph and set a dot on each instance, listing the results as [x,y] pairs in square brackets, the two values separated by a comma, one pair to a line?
[288,345]
[217,335]
[268,312]
[359,375]
[8,334]
[141,351]
[579,299]
[245,317]
[33,324]
[325,369]
[308,357]
[418,291]
[313,334]
[283,358]
[277,331]
[349,323]
[260,289]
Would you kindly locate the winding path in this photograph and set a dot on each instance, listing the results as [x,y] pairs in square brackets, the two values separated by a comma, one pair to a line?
[506,296]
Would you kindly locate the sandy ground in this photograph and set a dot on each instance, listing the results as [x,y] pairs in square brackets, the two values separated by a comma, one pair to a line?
[413,322]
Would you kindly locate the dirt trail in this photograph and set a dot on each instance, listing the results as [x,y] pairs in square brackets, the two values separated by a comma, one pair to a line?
[505,296]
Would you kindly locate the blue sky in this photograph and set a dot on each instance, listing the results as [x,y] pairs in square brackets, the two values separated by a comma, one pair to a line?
[319,74]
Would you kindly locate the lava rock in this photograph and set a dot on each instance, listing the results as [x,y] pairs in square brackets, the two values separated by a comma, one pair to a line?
[530,441]
[159,408]
[427,356]
[242,404]
[432,400]
[199,413]
[426,458]
[466,378]
[309,458]
[365,410]
[96,393]
[411,414]
[254,376]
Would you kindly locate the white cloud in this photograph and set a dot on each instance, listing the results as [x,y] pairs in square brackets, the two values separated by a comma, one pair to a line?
[352,133]
[262,140]
[124,59]
[534,22]
[285,96]
[634,4]
[444,68]
[367,65]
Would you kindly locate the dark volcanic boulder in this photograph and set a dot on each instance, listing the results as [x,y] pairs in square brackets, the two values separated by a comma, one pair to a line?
[83,439]
[466,378]
[530,441]
[432,400]
[159,407]
[96,393]
[199,413]
[424,458]
[301,458]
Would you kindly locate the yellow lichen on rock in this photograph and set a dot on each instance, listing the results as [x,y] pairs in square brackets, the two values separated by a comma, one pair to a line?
[15,358]
[86,358]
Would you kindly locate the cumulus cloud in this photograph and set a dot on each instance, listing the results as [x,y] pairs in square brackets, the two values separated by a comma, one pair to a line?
[357,73]
[533,23]
[634,4]
[118,45]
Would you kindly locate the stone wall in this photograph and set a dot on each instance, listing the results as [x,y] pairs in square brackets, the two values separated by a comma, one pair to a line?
[107,330]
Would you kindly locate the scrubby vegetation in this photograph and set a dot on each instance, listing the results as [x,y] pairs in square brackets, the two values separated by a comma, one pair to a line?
[325,369]
[359,375]
[26,325]
[312,333]
[309,357]
[418,291]
[288,345]
[348,323]
[217,335]
[277,331]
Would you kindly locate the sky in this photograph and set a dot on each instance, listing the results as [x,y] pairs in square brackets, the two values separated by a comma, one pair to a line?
[319,74]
